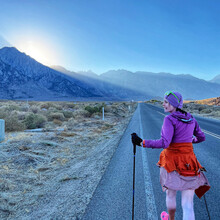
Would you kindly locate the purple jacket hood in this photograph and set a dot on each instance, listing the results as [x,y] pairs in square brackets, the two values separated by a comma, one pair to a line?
[186,118]
[177,128]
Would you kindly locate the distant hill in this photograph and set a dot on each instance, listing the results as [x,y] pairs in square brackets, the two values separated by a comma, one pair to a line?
[71,73]
[211,101]
[155,84]
[216,79]
[108,89]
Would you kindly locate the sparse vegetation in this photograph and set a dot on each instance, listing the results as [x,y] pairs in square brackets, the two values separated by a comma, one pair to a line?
[34,164]
[94,109]
[211,101]
[56,115]
[12,123]
[34,121]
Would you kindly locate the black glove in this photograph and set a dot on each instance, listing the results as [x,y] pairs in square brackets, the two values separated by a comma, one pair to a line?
[135,139]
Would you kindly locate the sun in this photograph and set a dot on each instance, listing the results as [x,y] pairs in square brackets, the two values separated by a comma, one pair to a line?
[38,51]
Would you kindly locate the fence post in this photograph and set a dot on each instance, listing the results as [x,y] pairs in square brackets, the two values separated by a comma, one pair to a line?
[103,114]
[129,108]
[2,130]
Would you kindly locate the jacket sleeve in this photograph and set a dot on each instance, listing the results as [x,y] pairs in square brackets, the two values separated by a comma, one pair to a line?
[167,132]
[199,135]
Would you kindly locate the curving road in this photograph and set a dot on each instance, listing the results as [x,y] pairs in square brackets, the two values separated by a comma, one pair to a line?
[112,198]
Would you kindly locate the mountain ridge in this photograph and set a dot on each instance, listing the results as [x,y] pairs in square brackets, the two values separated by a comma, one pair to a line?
[32,78]
[54,82]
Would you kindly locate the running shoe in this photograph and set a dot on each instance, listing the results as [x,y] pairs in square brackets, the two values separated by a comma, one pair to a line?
[164,216]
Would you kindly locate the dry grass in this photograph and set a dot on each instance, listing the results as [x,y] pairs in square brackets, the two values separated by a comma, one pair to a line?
[211,101]
[35,163]
[20,115]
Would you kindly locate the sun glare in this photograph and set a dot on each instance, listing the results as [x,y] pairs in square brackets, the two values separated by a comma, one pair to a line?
[38,51]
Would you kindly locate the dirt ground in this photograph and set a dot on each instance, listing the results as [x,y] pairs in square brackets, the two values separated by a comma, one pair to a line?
[52,175]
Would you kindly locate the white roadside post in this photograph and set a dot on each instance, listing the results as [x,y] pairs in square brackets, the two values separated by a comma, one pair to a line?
[129,108]
[2,130]
[103,114]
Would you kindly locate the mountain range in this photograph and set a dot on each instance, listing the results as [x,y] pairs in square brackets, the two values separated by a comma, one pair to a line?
[22,77]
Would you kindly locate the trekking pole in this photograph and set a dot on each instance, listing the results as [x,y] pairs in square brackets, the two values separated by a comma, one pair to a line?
[207,208]
[134,149]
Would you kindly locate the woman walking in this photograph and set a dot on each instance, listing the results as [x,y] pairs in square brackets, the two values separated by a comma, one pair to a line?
[179,167]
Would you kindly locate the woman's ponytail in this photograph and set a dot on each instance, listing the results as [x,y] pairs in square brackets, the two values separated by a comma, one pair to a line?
[182,111]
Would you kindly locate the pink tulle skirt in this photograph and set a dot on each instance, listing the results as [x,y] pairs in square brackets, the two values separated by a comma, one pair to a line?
[175,181]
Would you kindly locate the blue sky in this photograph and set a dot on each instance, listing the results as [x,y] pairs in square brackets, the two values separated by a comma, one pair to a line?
[175,36]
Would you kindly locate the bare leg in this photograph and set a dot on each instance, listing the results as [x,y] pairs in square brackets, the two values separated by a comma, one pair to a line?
[171,203]
[187,205]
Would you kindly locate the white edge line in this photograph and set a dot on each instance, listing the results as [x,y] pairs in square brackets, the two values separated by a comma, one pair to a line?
[161,113]
[150,200]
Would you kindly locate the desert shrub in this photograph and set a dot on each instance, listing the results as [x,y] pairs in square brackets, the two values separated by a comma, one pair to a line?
[3,113]
[216,109]
[34,121]
[35,109]
[57,122]
[108,108]
[154,100]
[206,111]
[94,109]
[52,109]
[217,114]
[71,123]
[12,108]
[69,105]
[13,124]
[47,105]
[202,108]
[21,115]
[56,115]
[81,113]
[24,108]
[67,114]
[58,107]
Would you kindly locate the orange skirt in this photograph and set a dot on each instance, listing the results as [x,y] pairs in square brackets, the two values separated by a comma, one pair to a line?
[180,157]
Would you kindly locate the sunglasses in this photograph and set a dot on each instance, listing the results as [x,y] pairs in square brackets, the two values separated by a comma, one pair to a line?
[168,93]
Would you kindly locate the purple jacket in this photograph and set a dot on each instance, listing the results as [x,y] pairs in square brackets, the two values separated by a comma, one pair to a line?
[177,128]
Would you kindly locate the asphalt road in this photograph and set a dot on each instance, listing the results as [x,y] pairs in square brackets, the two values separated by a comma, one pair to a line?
[112,198]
